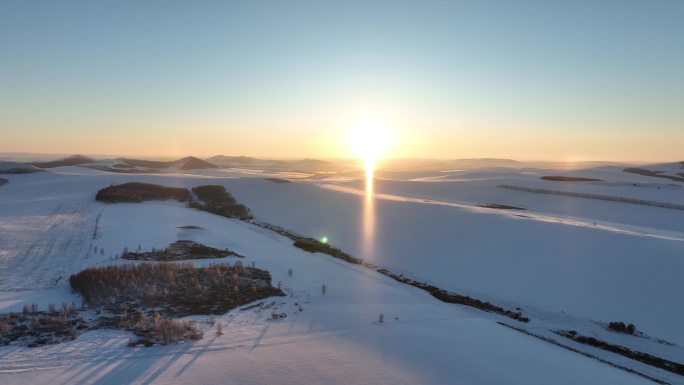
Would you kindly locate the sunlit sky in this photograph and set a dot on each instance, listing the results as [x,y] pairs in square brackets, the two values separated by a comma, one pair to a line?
[530,80]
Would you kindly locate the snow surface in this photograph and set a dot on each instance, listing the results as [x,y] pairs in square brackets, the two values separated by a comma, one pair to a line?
[554,261]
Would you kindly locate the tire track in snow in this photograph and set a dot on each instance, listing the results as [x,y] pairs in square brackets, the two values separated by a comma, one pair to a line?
[40,247]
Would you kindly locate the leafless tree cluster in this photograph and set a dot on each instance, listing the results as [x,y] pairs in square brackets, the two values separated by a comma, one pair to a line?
[180,289]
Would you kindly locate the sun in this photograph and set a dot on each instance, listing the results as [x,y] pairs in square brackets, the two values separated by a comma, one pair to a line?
[370,140]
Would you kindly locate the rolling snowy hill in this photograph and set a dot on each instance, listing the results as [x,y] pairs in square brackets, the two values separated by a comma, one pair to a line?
[567,263]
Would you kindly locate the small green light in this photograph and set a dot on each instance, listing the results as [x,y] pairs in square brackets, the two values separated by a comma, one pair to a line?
[324,240]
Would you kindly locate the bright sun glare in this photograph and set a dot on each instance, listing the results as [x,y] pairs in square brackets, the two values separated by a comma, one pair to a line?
[370,140]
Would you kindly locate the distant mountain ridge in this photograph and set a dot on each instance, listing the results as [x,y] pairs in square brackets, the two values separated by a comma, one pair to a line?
[17,168]
[74,160]
[187,163]
[307,164]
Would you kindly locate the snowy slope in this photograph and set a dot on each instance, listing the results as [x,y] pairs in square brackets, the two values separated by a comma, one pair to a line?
[51,224]
[334,340]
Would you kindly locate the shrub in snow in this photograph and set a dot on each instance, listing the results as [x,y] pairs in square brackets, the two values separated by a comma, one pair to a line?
[620,327]
[167,331]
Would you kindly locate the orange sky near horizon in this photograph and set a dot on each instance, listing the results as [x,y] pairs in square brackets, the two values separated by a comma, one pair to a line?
[556,81]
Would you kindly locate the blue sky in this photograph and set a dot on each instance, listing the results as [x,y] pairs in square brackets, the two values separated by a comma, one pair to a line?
[588,79]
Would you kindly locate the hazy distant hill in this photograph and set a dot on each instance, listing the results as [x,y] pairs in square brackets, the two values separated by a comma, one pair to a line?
[68,161]
[187,163]
[447,164]
[672,171]
[192,163]
[17,168]
[307,165]
[225,160]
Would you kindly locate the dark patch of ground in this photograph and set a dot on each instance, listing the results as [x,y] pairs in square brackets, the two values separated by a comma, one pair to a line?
[500,207]
[191,227]
[179,251]
[561,178]
[3,181]
[278,180]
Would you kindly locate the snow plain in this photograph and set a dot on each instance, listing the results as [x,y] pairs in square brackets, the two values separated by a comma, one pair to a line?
[572,263]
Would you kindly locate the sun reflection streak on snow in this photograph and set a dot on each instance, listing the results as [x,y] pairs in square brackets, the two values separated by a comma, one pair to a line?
[368,217]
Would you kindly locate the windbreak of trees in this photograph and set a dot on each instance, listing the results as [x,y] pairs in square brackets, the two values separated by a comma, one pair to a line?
[643,202]
[216,200]
[139,192]
[211,198]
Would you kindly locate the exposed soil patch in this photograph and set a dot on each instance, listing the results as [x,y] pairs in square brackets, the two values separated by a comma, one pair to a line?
[3,181]
[562,178]
[179,251]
